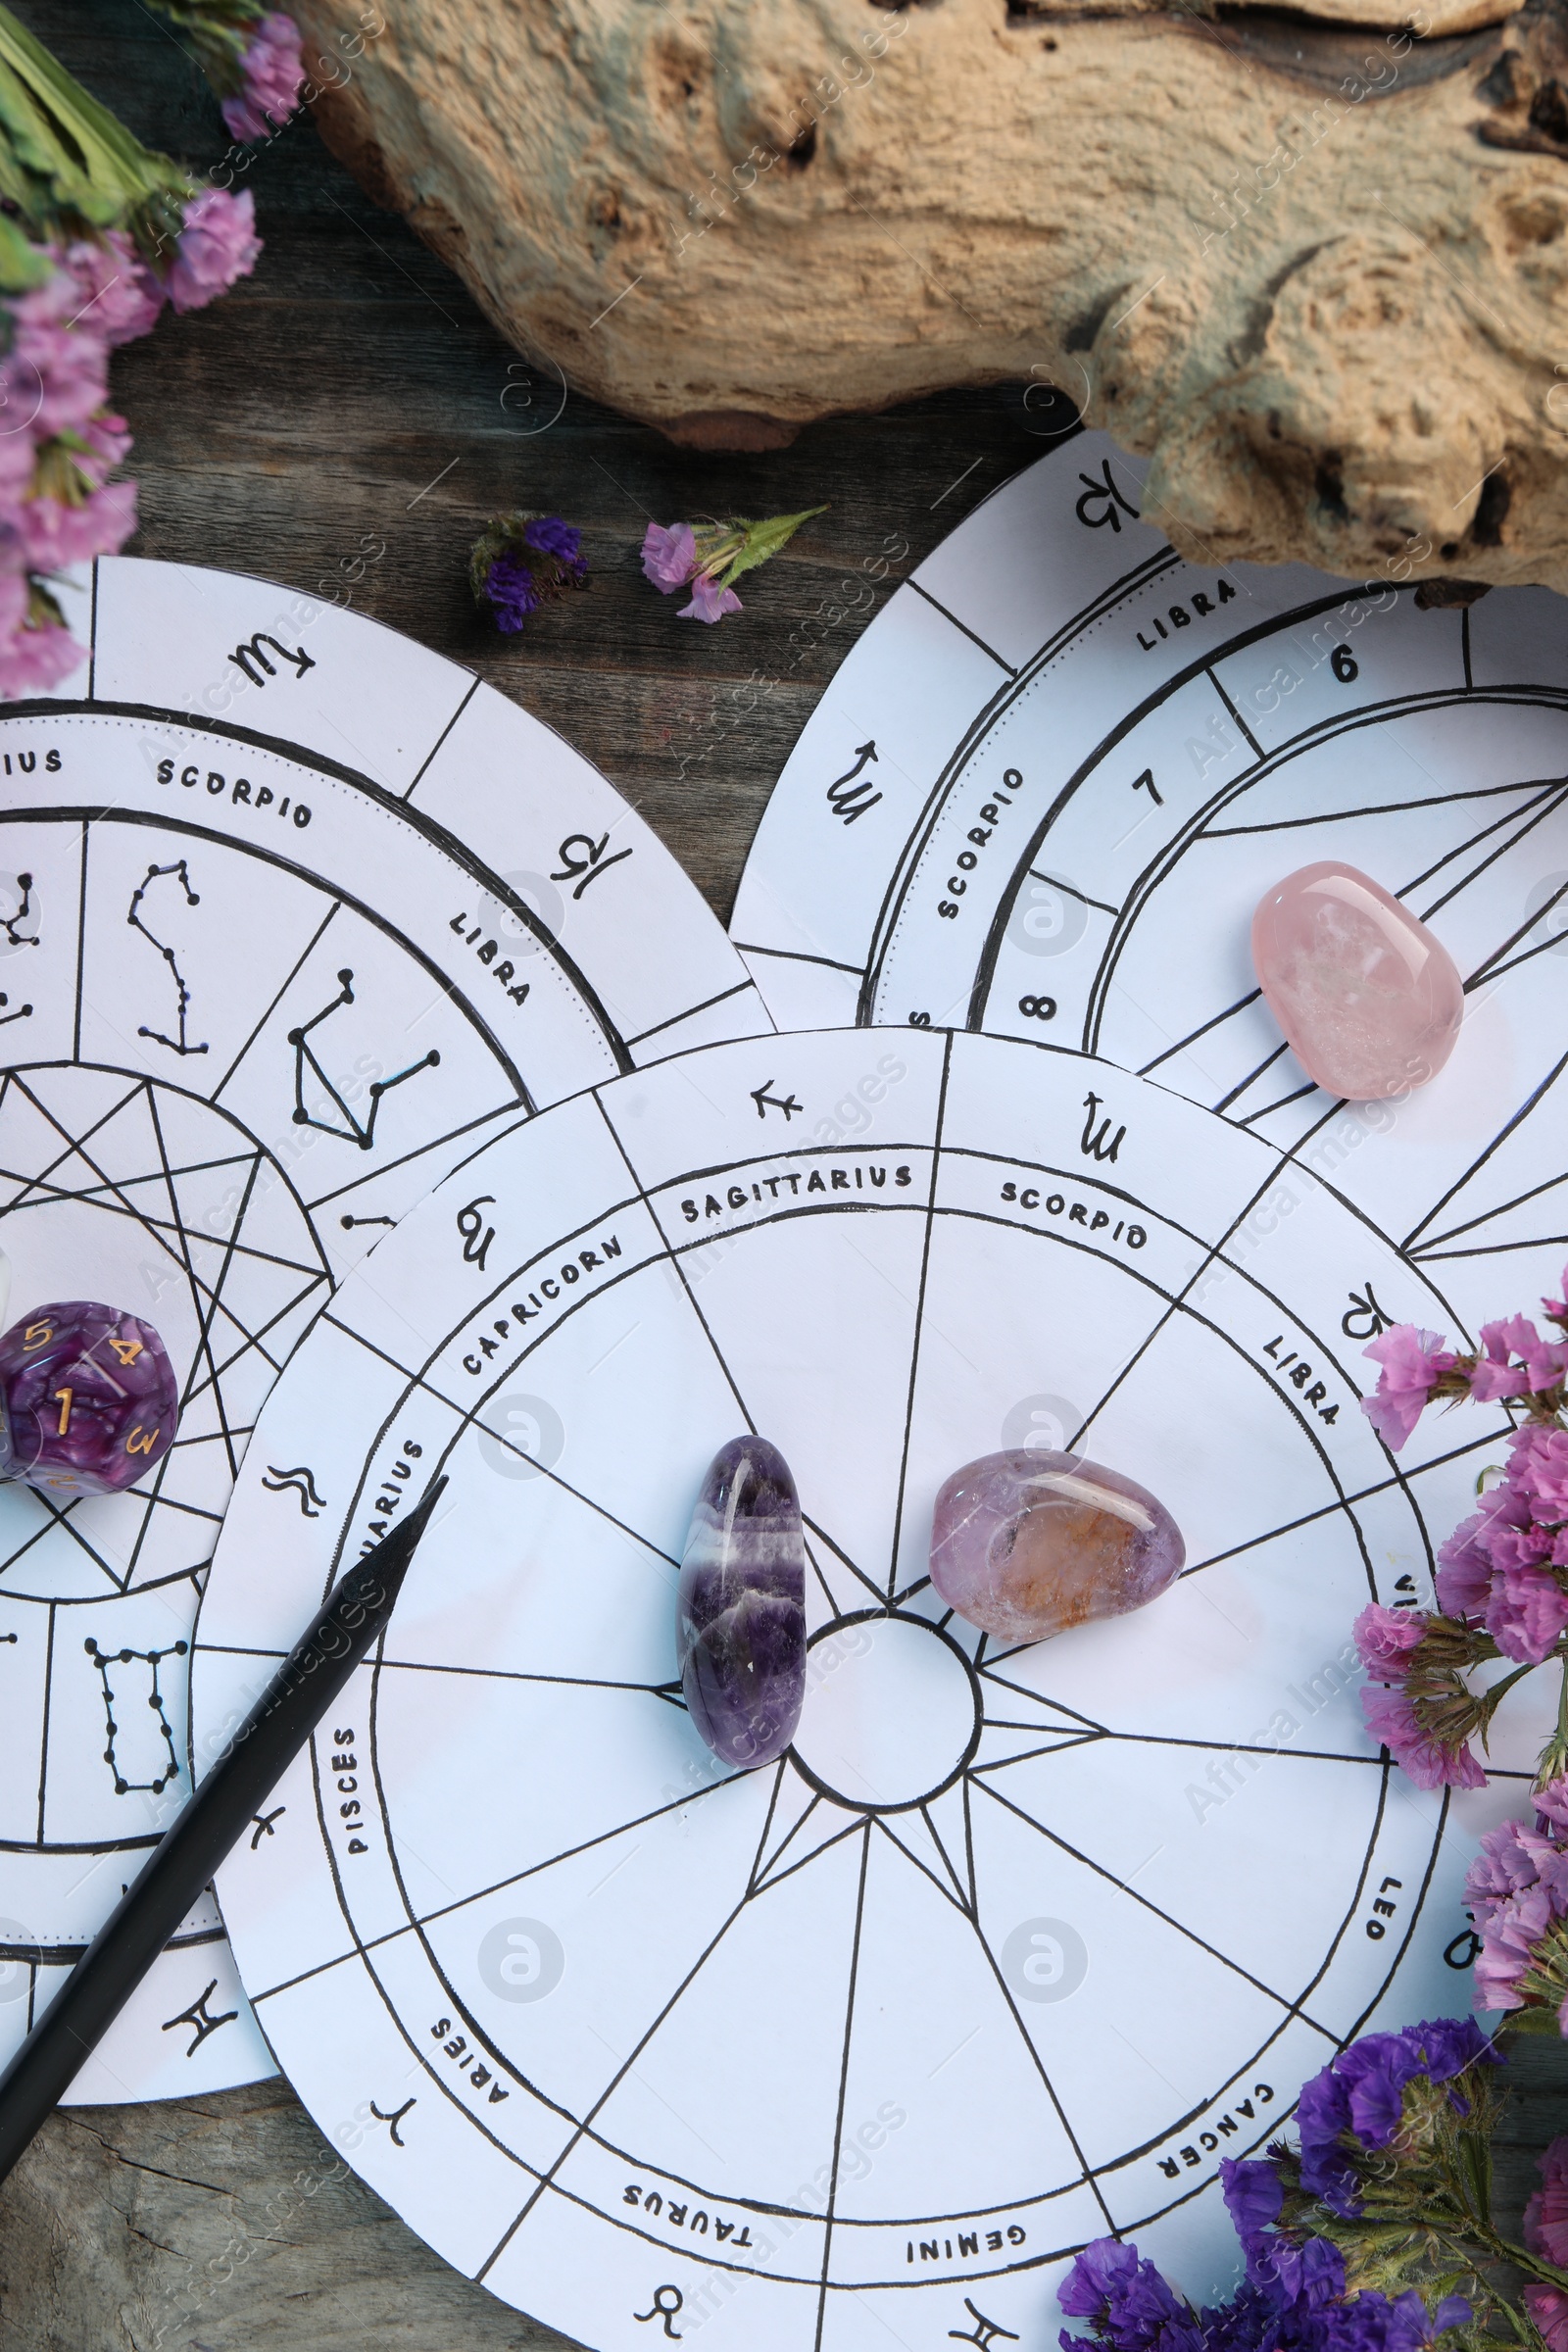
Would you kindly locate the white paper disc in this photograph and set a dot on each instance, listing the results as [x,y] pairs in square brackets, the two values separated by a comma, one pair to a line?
[1011,1948]
[293,914]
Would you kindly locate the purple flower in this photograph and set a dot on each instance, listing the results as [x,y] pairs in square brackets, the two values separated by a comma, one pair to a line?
[1128,2302]
[1547,2306]
[1253,2195]
[1391,1720]
[1446,2045]
[1538,1469]
[216,245]
[1496,1376]
[1376,2070]
[1547,2214]
[117,295]
[1412,1361]
[511,589]
[709,602]
[1507,1948]
[54,534]
[1527,1611]
[1386,1638]
[563,540]
[669,557]
[275,76]
[1464,1563]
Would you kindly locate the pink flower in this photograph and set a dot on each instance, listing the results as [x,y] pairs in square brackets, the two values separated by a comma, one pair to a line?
[1547,2214]
[669,557]
[1464,1564]
[1495,1376]
[1527,1611]
[1386,1638]
[1547,2306]
[32,660]
[1391,1720]
[709,602]
[118,294]
[1538,1469]
[275,74]
[1507,1948]
[1514,1860]
[1555,1310]
[216,245]
[54,534]
[1552,1806]
[54,375]
[1411,1363]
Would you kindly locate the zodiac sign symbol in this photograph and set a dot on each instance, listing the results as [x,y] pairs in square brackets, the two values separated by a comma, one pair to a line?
[589,861]
[663,2310]
[765,1101]
[1364,1318]
[984,2332]
[469,1223]
[1462,1951]
[1107,491]
[848,794]
[9,922]
[394,2119]
[196,2015]
[303,1052]
[301,1482]
[103,1659]
[251,662]
[1093,1140]
[134,917]
[264,1824]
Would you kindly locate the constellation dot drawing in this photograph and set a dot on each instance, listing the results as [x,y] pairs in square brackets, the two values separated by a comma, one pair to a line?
[351,1131]
[121,1692]
[156,873]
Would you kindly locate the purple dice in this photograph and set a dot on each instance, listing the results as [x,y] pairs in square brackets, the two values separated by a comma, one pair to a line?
[741,1605]
[88,1399]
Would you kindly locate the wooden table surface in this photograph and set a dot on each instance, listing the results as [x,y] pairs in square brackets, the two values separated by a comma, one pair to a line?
[348,407]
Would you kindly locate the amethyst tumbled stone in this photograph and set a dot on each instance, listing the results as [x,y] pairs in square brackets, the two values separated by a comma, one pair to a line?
[741,1605]
[1029,1543]
[88,1399]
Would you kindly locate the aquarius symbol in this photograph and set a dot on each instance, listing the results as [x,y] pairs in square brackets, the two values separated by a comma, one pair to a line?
[192,899]
[1364,1318]
[984,2332]
[396,2118]
[303,1052]
[9,922]
[103,1659]
[197,2015]
[1107,491]
[1093,1140]
[264,1824]
[301,1482]
[663,2310]
[24,1010]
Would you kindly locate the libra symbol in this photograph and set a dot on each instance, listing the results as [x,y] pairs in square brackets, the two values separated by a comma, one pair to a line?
[351,1131]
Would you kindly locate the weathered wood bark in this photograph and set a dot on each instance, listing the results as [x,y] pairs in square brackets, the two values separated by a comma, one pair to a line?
[1318,270]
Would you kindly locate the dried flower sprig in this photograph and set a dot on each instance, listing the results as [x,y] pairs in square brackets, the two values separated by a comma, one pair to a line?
[96,233]
[708,558]
[520,561]
[251,56]
[1375,2234]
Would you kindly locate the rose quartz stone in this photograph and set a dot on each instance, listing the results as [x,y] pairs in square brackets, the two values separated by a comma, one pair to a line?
[1369,999]
[1029,1543]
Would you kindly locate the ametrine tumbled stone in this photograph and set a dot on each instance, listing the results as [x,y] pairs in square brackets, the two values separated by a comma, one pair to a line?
[742,1605]
[1369,999]
[88,1399]
[1026,1543]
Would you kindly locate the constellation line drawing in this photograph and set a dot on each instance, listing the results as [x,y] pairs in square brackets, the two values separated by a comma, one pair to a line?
[9,922]
[301,1482]
[177,1045]
[23,1011]
[103,1659]
[351,1132]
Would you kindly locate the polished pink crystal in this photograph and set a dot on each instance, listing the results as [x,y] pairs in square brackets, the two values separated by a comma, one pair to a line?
[1370,1000]
[1028,1542]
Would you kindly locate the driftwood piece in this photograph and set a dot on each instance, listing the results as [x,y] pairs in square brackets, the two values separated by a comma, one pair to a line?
[1312,264]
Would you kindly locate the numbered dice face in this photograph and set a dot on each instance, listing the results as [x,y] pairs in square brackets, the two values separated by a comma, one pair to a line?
[88,1399]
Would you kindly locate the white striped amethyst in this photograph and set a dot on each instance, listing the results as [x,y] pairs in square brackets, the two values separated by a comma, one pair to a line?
[741,1605]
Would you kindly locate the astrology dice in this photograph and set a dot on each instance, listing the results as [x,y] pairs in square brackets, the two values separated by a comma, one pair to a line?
[88,1399]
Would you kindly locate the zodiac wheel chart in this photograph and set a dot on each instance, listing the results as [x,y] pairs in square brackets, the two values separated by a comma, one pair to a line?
[1051,781]
[293,915]
[1014,1945]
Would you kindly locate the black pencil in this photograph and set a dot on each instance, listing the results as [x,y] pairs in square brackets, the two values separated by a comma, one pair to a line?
[183,1861]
